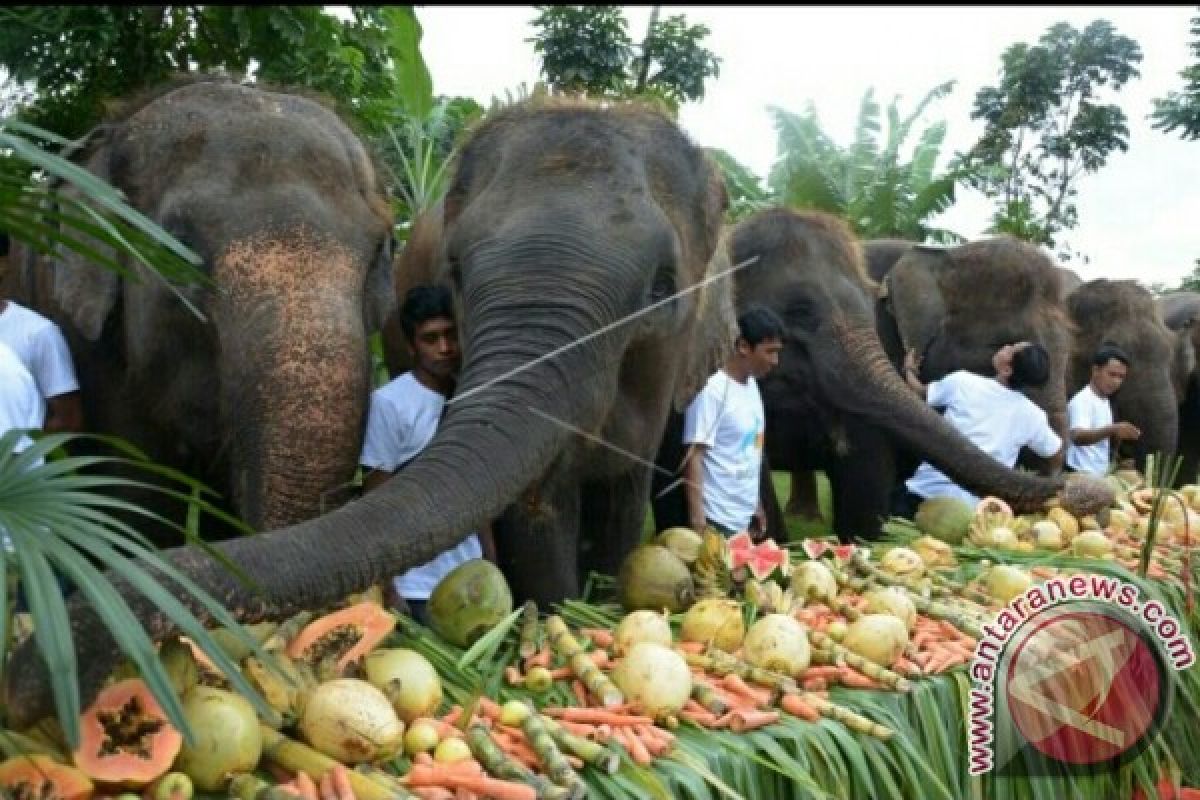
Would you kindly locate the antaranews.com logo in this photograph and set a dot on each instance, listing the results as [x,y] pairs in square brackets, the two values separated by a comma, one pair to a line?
[1075,674]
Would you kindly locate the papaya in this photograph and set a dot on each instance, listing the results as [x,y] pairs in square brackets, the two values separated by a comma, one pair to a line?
[342,637]
[124,737]
[39,777]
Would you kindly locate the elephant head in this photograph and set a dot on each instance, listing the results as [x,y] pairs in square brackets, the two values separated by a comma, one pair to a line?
[576,237]
[1181,313]
[1124,313]
[833,371]
[956,306]
[262,393]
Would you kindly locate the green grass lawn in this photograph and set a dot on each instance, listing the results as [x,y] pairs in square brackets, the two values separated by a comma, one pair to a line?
[797,529]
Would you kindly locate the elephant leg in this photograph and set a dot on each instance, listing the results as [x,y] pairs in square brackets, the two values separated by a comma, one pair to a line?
[614,514]
[537,540]
[667,497]
[861,481]
[803,499]
[776,522]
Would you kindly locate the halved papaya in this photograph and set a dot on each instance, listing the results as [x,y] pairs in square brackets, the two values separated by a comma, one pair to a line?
[342,637]
[40,777]
[125,738]
[994,505]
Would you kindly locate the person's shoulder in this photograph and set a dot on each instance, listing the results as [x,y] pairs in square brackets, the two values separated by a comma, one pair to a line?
[28,318]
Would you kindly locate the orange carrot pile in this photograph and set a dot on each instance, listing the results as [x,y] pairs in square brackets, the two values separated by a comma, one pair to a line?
[939,646]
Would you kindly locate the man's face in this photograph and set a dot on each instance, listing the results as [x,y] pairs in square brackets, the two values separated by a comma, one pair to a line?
[1002,360]
[435,347]
[762,357]
[1108,378]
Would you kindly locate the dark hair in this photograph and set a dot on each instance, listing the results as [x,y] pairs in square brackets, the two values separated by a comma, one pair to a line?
[1107,352]
[1030,367]
[423,303]
[758,323]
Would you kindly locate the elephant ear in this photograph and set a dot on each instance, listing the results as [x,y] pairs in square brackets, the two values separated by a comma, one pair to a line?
[914,296]
[419,262]
[1183,360]
[715,330]
[84,291]
[379,295]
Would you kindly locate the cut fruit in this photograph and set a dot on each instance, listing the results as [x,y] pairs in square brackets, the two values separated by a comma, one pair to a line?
[344,636]
[125,738]
[43,778]
[762,561]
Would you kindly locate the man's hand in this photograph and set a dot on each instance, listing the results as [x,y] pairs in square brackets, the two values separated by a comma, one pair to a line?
[1126,432]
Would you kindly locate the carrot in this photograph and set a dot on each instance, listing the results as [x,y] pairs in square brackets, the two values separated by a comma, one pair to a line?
[923,638]
[655,744]
[826,672]
[749,720]
[480,784]
[703,718]
[488,707]
[599,658]
[853,679]
[597,716]
[580,729]
[305,785]
[326,786]
[444,726]
[599,636]
[452,715]
[637,749]
[796,705]
[943,660]
[433,793]
[734,682]
[539,659]
[513,676]
[289,787]
[424,759]
[814,684]
[906,667]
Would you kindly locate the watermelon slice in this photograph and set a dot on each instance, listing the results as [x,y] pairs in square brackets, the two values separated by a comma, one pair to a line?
[769,552]
[758,561]
[814,548]
[844,552]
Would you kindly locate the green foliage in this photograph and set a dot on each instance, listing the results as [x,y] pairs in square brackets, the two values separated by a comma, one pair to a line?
[587,49]
[1046,128]
[82,57]
[1182,109]
[744,188]
[869,183]
[1189,283]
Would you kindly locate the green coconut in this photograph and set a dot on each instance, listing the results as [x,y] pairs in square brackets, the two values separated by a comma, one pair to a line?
[945,518]
[469,601]
[654,578]
[683,542]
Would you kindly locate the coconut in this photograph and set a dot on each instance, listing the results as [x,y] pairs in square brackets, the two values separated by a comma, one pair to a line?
[407,679]
[1092,544]
[652,577]
[469,601]
[717,620]
[944,518]
[893,601]
[641,626]
[227,739]
[1004,582]
[812,580]
[903,562]
[1048,535]
[683,542]
[350,720]
[877,637]
[779,643]
[655,679]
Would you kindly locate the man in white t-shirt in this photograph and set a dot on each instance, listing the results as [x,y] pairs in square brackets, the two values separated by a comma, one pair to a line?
[40,346]
[403,417]
[991,412]
[20,403]
[1090,416]
[724,431]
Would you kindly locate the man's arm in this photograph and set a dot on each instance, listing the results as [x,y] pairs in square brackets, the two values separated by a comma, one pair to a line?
[64,413]
[693,474]
[1120,430]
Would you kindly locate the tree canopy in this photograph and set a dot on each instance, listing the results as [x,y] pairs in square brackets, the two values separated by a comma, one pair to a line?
[1046,127]
[1182,109]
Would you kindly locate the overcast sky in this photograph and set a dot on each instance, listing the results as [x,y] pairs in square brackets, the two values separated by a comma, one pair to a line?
[1139,216]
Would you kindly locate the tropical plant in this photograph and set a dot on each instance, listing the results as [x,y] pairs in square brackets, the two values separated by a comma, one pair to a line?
[57,516]
[744,188]
[1182,109]
[869,183]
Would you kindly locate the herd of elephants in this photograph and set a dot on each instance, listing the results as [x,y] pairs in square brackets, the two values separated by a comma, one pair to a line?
[562,221]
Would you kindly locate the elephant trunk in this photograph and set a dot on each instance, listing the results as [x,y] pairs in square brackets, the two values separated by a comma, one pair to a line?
[854,370]
[489,448]
[294,376]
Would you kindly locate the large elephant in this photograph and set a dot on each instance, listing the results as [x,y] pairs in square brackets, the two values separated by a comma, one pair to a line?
[263,396]
[956,306]
[563,225]
[1160,360]
[835,402]
[1181,313]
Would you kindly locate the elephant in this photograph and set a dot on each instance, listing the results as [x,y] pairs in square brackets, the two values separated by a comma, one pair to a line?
[1160,360]
[835,402]
[576,237]
[1181,313]
[262,394]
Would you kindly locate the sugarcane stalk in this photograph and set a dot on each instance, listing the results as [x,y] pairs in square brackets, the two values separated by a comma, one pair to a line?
[13,745]
[529,630]
[591,752]
[298,757]
[703,694]
[823,656]
[722,664]
[887,677]
[852,720]
[554,763]
[581,664]
[968,592]
[930,608]
[499,765]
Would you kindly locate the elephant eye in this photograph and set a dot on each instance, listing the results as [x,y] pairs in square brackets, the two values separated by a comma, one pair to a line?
[663,285]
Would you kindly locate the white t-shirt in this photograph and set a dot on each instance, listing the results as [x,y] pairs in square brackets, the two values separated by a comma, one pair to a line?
[20,403]
[40,346]
[997,419]
[1089,410]
[728,417]
[403,417]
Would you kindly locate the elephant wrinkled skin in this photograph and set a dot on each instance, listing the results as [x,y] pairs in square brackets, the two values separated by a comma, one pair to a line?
[562,219]
[264,397]
[1181,313]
